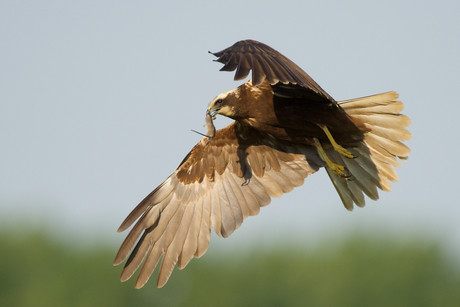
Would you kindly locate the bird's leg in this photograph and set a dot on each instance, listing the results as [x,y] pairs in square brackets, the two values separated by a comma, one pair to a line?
[336,146]
[339,170]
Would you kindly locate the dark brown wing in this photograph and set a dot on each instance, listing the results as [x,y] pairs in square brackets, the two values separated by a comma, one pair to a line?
[218,184]
[266,62]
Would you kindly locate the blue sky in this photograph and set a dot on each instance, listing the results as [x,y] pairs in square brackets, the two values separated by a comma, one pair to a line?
[97,100]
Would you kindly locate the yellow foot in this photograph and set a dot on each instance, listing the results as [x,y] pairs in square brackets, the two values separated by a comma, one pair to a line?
[339,170]
[343,151]
[336,146]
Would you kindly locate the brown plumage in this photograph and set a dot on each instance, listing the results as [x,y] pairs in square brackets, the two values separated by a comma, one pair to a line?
[278,139]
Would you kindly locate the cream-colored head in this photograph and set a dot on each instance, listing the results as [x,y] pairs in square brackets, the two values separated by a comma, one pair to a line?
[225,103]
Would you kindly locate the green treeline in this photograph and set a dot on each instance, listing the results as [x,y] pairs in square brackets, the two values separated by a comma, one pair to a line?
[38,271]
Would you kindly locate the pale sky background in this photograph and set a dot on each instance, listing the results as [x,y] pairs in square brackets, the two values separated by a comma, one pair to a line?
[97,99]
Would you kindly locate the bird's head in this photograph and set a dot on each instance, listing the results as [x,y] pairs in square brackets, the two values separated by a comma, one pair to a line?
[225,104]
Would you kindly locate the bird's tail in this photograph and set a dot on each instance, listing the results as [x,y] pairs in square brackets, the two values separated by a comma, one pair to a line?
[377,155]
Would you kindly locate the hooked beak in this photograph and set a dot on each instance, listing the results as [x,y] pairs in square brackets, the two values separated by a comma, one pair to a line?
[211,111]
[211,114]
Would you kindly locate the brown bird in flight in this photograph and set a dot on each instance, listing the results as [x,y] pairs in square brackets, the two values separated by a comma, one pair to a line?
[286,127]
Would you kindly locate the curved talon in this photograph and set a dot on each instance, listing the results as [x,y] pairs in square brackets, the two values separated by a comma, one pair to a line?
[348,174]
[339,170]
[345,173]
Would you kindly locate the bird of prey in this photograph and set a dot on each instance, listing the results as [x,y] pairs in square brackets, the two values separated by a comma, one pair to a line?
[286,127]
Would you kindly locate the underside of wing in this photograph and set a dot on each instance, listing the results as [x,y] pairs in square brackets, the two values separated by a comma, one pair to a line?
[265,63]
[219,185]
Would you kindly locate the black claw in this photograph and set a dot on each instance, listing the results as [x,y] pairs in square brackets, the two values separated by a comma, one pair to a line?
[348,175]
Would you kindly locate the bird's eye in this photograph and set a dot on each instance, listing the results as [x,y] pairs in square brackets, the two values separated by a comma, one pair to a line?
[219,101]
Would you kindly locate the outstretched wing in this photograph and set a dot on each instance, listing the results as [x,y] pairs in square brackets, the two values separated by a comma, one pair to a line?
[218,184]
[266,63]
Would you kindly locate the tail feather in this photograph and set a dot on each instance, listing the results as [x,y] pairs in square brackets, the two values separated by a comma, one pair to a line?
[393,148]
[389,133]
[378,153]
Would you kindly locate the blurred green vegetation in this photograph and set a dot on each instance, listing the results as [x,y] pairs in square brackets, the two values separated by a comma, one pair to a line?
[36,270]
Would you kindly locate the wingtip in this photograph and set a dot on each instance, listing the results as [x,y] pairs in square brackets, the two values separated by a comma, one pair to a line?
[216,54]
[126,224]
[161,285]
[140,282]
[118,260]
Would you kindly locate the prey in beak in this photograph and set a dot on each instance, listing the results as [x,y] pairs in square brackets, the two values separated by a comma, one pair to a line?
[210,129]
